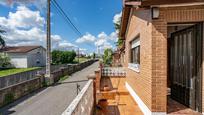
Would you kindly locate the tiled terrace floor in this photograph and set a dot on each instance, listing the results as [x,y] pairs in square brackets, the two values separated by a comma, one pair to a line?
[123,105]
[119,100]
[175,108]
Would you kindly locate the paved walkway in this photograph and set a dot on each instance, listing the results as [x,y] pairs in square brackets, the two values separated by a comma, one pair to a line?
[52,100]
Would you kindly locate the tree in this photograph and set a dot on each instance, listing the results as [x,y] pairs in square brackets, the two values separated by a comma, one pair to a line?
[63,57]
[107,58]
[2,42]
[94,55]
[119,43]
[4,61]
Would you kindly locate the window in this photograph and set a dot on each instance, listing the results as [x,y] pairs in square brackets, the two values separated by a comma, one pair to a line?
[38,61]
[135,54]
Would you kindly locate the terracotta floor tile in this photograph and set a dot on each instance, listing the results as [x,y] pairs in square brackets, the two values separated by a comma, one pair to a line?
[122,103]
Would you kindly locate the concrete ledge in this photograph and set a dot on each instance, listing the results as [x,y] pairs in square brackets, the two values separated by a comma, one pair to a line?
[75,108]
[140,103]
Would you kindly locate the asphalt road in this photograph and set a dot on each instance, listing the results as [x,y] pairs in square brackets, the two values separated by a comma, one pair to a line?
[52,100]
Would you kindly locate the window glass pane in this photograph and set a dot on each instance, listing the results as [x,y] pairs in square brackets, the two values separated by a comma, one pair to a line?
[135,51]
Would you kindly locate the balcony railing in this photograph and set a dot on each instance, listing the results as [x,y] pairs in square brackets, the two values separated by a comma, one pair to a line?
[113,71]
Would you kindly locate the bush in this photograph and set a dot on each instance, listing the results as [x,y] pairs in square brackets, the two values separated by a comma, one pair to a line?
[107,58]
[4,61]
[63,57]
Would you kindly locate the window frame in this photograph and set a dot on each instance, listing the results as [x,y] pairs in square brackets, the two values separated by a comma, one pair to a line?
[134,62]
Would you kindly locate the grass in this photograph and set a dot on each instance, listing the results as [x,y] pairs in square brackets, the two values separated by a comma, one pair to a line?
[15,70]
[81,59]
[63,78]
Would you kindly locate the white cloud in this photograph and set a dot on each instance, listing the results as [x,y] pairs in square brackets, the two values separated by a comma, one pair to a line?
[100,42]
[23,18]
[114,36]
[38,3]
[102,35]
[25,27]
[107,45]
[66,44]
[86,38]
[117,18]
[104,39]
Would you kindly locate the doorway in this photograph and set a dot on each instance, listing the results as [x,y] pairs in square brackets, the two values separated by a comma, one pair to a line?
[185,65]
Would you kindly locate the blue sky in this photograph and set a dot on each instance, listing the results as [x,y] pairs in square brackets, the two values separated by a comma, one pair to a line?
[94,19]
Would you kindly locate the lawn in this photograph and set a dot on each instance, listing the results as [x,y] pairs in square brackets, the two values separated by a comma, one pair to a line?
[15,70]
[81,59]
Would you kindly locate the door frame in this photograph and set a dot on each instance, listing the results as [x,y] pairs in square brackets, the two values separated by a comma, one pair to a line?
[202,66]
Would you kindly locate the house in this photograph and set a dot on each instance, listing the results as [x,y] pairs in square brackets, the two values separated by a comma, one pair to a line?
[26,56]
[164,52]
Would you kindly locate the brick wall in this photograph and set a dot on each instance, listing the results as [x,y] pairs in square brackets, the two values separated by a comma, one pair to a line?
[140,24]
[159,64]
[159,37]
[150,83]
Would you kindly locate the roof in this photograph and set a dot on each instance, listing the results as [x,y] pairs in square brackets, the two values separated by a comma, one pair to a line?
[146,3]
[19,49]
[167,2]
[128,4]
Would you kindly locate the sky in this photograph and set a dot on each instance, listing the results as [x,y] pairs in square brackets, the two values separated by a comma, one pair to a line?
[25,23]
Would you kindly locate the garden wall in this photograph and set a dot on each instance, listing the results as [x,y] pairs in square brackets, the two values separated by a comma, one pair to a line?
[57,72]
[15,86]
[84,102]
[13,92]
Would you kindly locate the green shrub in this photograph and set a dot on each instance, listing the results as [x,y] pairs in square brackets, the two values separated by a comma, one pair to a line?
[107,58]
[4,61]
[63,57]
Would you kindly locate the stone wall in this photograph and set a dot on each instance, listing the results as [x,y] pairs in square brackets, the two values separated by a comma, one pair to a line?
[84,102]
[13,92]
[6,81]
[57,72]
[19,85]
[70,69]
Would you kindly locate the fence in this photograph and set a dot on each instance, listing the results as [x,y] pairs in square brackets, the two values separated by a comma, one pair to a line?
[113,71]
[83,103]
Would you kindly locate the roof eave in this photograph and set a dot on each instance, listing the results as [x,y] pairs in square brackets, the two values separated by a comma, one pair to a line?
[127,5]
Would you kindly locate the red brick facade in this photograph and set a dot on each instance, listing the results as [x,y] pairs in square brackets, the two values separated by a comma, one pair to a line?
[150,83]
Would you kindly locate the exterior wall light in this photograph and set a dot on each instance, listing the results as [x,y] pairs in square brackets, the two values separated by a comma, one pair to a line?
[155,12]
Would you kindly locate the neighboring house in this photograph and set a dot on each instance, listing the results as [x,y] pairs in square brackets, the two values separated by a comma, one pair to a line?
[26,56]
[116,60]
[164,44]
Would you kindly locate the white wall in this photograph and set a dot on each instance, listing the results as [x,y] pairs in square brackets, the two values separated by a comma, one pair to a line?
[18,60]
[36,58]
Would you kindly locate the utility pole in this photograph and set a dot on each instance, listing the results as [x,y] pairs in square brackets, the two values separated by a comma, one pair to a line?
[48,46]
[78,55]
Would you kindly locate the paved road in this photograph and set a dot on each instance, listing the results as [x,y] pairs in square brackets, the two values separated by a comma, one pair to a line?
[52,100]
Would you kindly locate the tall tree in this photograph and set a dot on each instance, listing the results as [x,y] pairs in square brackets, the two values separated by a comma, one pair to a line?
[2,42]
[107,58]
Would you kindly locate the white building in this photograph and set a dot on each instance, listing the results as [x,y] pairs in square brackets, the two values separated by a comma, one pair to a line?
[26,56]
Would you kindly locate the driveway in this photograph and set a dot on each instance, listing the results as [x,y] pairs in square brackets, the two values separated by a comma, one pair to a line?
[52,100]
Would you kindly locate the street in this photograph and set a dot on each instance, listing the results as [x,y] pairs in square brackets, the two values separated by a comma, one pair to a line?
[52,100]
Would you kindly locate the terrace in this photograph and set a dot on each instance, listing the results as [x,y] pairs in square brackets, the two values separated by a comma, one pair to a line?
[112,97]
[105,94]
